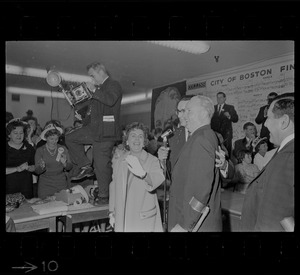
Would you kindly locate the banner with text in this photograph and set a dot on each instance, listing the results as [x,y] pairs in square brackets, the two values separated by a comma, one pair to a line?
[247,88]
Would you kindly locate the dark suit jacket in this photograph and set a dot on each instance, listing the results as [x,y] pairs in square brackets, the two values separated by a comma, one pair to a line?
[195,175]
[261,119]
[230,172]
[270,196]
[221,124]
[239,145]
[176,143]
[106,104]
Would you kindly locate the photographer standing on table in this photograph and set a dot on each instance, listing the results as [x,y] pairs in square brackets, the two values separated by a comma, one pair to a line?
[102,130]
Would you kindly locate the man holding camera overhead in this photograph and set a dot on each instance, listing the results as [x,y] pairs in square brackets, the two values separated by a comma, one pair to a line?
[101,130]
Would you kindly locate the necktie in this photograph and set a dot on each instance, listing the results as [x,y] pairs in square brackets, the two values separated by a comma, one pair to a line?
[219,108]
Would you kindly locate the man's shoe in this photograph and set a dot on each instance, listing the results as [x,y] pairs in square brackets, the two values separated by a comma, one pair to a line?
[83,173]
[109,228]
[101,201]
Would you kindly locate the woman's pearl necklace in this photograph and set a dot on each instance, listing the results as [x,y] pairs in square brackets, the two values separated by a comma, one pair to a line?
[49,150]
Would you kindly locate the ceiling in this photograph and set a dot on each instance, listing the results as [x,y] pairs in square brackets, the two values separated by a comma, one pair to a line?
[145,64]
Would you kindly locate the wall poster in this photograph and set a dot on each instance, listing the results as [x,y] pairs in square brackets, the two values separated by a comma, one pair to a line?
[164,103]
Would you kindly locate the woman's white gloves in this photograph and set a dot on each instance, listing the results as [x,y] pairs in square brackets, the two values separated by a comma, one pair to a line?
[135,167]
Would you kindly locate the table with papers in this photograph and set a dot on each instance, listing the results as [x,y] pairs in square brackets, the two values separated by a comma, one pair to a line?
[26,219]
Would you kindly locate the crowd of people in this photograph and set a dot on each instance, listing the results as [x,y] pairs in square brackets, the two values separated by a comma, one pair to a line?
[198,158]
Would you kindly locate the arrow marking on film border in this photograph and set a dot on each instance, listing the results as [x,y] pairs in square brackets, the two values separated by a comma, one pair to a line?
[30,267]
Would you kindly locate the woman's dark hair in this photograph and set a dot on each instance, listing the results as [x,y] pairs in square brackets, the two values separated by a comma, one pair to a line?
[54,122]
[247,124]
[53,132]
[260,143]
[13,125]
[133,126]
[241,155]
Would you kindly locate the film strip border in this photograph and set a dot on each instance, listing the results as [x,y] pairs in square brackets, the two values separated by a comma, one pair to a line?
[136,20]
[160,253]
[134,253]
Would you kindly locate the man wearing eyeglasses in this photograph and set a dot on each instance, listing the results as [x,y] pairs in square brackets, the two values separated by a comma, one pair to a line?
[180,136]
[195,178]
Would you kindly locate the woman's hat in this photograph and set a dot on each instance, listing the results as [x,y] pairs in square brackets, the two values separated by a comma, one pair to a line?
[17,120]
[50,127]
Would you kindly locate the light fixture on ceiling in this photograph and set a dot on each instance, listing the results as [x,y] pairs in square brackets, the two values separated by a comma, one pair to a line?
[42,73]
[125,100]
[24,91]
[194,47]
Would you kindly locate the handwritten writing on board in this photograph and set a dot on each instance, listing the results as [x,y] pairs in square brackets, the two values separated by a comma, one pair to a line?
[247,90]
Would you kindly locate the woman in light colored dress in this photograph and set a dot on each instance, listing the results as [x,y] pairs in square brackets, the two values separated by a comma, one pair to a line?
[133,203]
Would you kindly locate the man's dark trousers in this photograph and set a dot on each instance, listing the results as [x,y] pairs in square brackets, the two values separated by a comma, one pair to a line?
[102,155]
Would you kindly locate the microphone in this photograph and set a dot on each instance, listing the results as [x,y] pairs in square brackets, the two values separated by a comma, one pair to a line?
[166,133]
[164,166]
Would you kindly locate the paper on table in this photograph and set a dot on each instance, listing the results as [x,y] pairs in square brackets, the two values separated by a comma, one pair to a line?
[50,207]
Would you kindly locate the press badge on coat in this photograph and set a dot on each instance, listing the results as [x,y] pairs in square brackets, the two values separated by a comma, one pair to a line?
[108,118]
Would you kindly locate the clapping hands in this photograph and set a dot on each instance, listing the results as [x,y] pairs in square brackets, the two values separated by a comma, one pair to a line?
[25,166]
[42,164]
[250,141]
[22,167]
[63,159]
